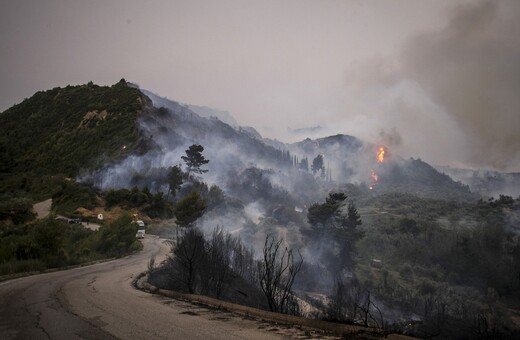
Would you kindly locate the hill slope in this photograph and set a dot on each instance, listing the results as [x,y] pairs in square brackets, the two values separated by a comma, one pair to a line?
[120,136]
[63,130]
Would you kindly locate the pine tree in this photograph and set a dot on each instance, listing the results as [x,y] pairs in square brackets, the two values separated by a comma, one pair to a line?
[304,164]
[174,180]
[194,160]
[317,164]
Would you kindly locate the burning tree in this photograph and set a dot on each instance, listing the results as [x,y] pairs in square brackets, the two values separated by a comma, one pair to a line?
[380,158]
[380,154]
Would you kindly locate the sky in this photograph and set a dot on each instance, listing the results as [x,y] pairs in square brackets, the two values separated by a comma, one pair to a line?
[433,79]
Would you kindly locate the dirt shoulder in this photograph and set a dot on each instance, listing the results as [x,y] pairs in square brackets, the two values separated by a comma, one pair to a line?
[43,209]
[333,329]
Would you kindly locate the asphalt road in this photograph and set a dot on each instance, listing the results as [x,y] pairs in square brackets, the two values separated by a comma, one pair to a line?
[98,302]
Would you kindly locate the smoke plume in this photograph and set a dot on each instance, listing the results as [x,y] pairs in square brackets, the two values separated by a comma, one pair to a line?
[471,70]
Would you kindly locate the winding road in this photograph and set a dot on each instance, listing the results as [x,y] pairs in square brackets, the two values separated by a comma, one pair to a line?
[99,302]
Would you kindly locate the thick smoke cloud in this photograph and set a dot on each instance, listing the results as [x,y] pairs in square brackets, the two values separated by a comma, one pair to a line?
[450,97]
[470,69]
[391,137]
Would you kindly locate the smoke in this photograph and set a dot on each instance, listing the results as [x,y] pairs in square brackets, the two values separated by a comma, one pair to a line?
[254,211]
[451,97]
[391,138]
[389,108]
[471,70]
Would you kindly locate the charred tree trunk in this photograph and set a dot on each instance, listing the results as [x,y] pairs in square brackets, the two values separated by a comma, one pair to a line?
[277,272]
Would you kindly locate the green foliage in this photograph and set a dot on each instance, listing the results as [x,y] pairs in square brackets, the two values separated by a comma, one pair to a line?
[50,243]
[317,164]
[117,197]
[17,210]
[332,224]
[353,217]
[253,184]
[155,206]
[189,209]
[175,179]
[118,237]
[71,195]
[44,243]
[128,198]
[194,159]
[304,164]
[439,259]
[320,214]
[63,130]
[215,197]
[159,207]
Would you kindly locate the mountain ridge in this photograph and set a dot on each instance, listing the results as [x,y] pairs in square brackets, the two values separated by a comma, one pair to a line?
[152,132]
[62,130]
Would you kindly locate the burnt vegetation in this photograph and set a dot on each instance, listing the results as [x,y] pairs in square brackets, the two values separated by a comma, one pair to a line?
[286,228]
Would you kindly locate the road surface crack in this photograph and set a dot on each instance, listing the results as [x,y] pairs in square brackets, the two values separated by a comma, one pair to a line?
[189,312]
[91,284]
[39,326]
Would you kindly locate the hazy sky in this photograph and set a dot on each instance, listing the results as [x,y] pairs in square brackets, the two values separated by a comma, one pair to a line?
[434,79]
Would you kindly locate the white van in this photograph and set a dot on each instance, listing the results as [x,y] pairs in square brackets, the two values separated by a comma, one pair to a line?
[140,234]
[140,229]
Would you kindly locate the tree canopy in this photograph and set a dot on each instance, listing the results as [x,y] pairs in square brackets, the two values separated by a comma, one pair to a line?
[326,212]
[189,209]
[317,164]
[194,159]
[174,179]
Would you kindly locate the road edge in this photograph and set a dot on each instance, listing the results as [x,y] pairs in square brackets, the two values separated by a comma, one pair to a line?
[14,276]
[141,283]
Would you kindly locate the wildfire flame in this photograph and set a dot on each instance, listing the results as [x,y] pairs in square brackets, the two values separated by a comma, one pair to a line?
[381,155]
[374,176]
[380,159]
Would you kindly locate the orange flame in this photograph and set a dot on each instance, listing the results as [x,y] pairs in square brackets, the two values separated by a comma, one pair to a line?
[374,176]
[381,155]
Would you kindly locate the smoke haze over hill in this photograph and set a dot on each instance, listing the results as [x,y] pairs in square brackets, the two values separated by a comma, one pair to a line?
[440,74]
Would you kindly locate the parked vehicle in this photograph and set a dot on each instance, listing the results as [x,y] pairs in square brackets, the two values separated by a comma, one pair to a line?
[140,229]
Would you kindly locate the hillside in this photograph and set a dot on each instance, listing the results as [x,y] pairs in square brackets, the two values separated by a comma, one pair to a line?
[352,160]
[486,182]
[64,130]
[122,136]
[172,128]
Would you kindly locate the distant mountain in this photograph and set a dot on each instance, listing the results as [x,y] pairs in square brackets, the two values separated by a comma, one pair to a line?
[208,112]
[305,132]
[486,182]
[418,177]
[351,160]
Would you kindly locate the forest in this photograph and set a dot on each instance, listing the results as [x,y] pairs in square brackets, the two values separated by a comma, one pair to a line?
[319,228]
